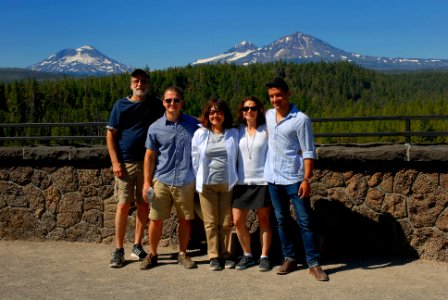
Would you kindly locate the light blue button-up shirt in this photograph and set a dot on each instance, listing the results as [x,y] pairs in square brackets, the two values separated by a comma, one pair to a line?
[172,141]
[290,141]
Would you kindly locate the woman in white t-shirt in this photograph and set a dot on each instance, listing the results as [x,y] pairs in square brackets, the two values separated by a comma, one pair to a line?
[251,191]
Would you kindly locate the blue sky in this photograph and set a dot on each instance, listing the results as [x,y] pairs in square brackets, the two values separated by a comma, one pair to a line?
[169,33]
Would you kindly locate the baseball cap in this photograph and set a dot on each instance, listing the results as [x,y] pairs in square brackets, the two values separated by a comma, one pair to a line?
[140,72]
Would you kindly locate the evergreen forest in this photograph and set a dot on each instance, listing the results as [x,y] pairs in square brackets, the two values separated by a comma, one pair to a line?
[321,90]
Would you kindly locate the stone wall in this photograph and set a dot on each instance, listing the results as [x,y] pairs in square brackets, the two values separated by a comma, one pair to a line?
[372,199]
[383,199]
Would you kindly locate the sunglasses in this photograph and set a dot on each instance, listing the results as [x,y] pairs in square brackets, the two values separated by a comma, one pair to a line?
[251,108]
[175,100]
[216,112]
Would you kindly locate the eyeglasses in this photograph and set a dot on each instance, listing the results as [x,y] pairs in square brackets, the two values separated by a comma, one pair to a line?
[142,81]
[216,112]
[175,100]
[252,108]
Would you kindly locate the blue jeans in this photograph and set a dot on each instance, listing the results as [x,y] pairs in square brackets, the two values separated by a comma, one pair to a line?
[280,197]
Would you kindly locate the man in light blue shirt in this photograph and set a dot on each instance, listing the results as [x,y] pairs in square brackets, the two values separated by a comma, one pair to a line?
[168,172]
[289,167]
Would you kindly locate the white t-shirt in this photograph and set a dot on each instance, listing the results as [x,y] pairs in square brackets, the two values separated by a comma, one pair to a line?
[252,156]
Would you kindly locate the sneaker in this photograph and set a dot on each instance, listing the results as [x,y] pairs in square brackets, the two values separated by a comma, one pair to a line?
[138,252]
[148,262]
[117,260]
[245,262]
[215,264]
[265,264]
[229,264]
[186,261]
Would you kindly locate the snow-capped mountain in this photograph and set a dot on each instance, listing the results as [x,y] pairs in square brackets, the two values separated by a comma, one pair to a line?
[233,55]
[85,60]
[300,48]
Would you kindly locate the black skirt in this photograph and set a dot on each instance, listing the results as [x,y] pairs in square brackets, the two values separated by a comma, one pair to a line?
[251,196]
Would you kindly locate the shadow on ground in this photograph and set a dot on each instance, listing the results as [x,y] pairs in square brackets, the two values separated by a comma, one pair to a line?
[346,238]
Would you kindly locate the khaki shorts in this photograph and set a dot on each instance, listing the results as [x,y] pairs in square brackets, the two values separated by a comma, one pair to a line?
[129,188]
[182,197]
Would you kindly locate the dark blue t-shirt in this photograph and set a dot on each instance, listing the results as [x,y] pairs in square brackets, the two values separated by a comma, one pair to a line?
[131,120]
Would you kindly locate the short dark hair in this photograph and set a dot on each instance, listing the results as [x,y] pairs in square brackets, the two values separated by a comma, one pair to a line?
[220,105]
[140,72]
[176,90]
[278,83]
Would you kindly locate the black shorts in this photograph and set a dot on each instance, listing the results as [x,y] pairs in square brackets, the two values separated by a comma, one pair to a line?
[251,196]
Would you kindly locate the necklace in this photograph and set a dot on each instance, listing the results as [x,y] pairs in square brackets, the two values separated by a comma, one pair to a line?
[251,147]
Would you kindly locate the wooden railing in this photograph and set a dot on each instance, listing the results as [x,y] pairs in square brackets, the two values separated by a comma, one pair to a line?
[94,132]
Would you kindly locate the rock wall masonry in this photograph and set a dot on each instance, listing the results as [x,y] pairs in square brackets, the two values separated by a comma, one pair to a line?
[367,199]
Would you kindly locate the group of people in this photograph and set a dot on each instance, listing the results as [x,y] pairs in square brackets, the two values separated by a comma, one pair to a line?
[162,156]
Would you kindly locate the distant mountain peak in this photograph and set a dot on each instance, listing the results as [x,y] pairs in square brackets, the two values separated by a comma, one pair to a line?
[299,47]
[234,54]
[242,47]
[86,47]
[85,60]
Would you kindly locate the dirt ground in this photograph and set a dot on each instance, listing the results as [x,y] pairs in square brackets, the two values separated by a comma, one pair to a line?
[63,270]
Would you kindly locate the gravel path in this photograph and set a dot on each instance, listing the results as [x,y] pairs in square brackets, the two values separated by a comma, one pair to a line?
[62,270]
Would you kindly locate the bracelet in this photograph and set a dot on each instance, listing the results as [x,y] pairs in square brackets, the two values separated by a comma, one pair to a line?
[306,179]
